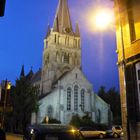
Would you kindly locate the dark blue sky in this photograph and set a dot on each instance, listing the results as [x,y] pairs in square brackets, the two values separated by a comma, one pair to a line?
[24,27]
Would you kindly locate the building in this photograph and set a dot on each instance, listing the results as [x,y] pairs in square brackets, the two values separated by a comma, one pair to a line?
[64,89]
[128,49]
[2,7]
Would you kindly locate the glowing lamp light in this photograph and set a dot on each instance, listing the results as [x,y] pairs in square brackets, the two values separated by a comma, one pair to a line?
[103,19]
[8,86]
[73,130]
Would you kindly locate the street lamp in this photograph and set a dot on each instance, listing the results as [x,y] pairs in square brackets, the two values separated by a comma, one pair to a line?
[102,20]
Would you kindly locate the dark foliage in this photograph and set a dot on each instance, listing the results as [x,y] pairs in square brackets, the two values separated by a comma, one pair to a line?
[51,120]
[24,102]
[112,97]
[86,121]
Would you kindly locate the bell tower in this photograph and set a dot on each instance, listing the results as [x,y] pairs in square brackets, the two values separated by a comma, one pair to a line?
[62,48]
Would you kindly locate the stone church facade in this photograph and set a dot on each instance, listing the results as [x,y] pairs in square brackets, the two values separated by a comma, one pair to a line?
[63,88]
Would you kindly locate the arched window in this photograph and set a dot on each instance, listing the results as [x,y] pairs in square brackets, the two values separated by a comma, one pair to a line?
[66,58]
[50,111]
[57,57]
[69,98]
[76,98]
[99,116]
[82,99]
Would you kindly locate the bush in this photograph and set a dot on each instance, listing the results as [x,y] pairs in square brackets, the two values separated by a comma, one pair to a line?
[51,120]
[86,121]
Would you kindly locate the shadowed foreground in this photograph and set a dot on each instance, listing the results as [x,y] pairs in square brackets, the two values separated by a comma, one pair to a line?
[14,137]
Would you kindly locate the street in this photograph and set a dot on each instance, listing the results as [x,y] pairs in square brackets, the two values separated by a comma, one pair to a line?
[19,137]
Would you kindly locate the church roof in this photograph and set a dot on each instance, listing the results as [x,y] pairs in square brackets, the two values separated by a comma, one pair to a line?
[36,77]
[59,78]
[62,19]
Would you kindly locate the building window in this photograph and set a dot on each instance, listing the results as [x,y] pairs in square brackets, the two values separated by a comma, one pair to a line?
[50,111]
[75,98]
[66,58]
[76,75]
[69,98]
[82,99]
[138,74]
[55,38]
[99,116]
[131,21]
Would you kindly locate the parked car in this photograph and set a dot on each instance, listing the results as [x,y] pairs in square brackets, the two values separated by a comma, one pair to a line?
[115,131]
[52,132]
[89,132]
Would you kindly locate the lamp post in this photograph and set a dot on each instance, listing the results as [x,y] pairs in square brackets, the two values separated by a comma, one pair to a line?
[101,22]
[122,64]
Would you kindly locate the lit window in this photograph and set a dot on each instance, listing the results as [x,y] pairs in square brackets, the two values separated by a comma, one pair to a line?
[82,99]
[69,98]
[76,98]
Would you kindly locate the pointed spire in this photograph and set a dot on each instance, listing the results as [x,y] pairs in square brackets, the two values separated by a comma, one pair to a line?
[30,74]
[48,31]
[77,31]
[22,72]
[62,18]
[56,25]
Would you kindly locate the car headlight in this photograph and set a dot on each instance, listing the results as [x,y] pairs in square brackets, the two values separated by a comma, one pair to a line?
[122,134]
[73,130]
[32,131]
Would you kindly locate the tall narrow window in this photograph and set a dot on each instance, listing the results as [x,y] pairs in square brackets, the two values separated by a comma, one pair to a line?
[50,111]
[131,21]
[57,57]
[75,98]
[138,74]
[82,99]
[69,98]
[66,58]
[55,38]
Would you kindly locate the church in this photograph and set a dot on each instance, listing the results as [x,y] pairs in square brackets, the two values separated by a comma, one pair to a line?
[63,88]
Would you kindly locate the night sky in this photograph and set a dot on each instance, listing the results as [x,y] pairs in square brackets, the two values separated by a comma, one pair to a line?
[24,27]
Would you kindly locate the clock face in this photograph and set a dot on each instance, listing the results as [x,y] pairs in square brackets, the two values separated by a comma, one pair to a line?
[67,30]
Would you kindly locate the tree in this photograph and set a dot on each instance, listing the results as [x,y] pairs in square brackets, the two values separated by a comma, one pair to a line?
[112,97]
[115,104]
[24,102]
[102,93]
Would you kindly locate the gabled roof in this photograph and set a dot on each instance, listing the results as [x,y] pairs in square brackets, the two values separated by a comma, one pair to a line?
[61,77]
